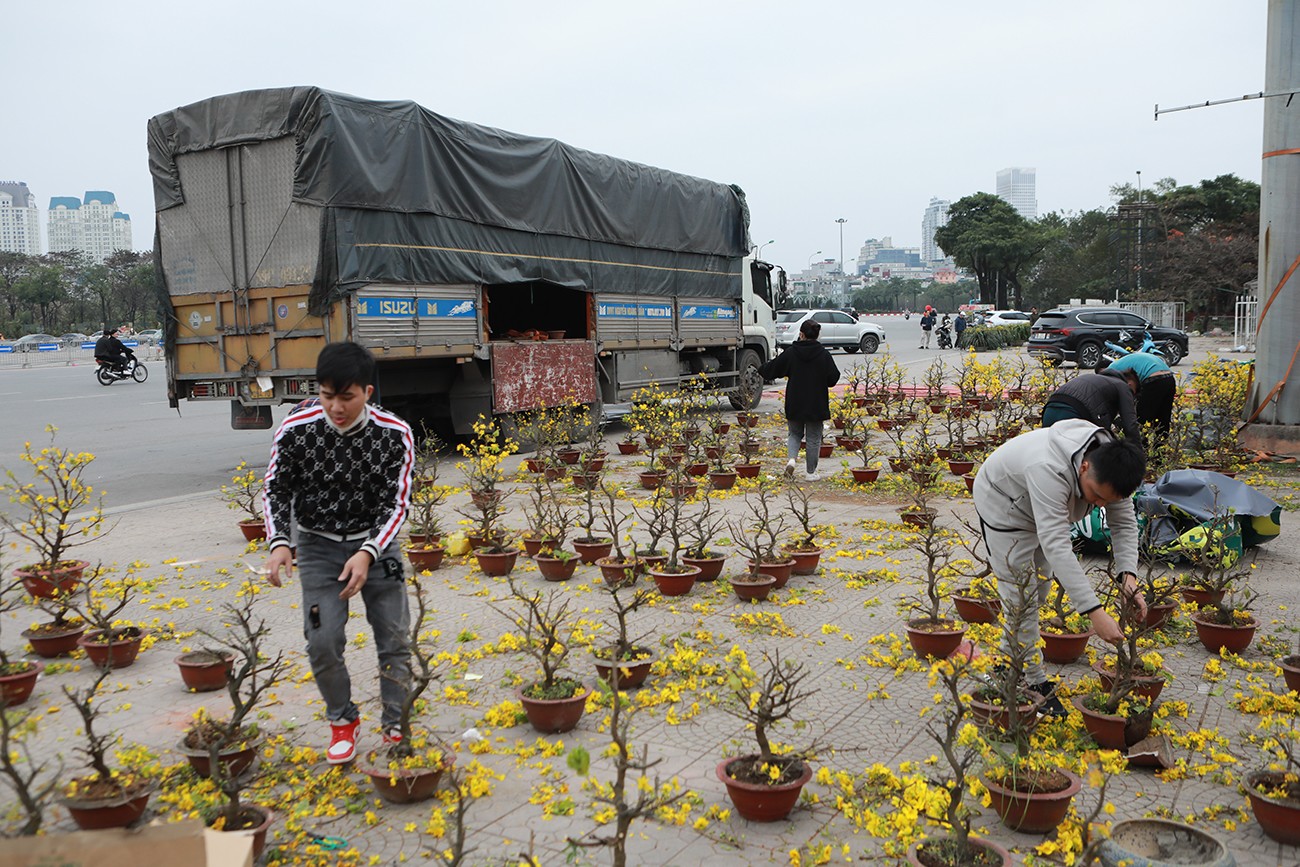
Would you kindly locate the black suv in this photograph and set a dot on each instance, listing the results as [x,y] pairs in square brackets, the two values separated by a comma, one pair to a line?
[1079,334]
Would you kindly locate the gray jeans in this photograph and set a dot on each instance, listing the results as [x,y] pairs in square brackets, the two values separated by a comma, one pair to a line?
[809,432]
[1016,553]
[325,618]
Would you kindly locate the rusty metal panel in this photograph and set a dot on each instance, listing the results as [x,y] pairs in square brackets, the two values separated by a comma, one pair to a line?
[631,321]
[708,321]
[542,373]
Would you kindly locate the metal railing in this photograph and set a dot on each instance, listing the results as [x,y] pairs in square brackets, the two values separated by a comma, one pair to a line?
[1167,314]
[1244,323]
[53,354]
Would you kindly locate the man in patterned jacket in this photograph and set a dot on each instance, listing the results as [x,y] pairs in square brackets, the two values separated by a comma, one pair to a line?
[341,469]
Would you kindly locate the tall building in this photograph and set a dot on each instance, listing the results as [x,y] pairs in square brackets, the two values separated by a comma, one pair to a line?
[936,215]
[1018,186]
[92,225]
[20,219]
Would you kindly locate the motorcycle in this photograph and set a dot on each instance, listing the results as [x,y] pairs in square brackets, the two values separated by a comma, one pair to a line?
[944,336]
[108,373]
[1166,350]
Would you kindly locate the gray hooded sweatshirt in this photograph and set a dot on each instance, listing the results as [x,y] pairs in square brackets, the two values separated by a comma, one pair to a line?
[1030,485]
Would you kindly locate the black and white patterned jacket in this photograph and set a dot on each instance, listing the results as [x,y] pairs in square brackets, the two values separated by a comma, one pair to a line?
[351,484]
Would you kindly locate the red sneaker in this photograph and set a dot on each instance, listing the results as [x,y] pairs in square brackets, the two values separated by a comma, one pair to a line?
[343,743]
[392,736]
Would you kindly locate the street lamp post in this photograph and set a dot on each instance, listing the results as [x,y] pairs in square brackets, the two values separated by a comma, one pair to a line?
[808,267]
[841,221]
[759,254]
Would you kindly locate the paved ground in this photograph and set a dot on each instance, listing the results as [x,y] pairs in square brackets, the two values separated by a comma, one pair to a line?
[842,622]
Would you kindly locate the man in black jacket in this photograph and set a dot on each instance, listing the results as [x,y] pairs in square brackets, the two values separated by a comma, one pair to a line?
[1104,399]
[115,352]
[811,372]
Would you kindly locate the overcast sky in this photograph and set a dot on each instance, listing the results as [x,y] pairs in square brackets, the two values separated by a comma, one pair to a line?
[858,109]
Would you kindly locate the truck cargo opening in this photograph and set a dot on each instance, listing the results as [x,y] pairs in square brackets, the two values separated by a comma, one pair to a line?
[528,310]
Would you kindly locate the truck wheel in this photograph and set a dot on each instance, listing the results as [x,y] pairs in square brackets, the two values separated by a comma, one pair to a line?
[749,390]
[869,343]
[1089,355]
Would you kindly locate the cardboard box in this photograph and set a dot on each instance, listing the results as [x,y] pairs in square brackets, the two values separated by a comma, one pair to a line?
[183,844]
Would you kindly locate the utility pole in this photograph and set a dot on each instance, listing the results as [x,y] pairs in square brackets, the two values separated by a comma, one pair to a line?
[841,221]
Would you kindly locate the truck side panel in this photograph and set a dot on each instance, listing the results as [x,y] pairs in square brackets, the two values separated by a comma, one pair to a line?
[708,321]
[417,321]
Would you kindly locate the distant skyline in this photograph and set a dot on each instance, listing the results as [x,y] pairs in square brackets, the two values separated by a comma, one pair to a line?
[791,103]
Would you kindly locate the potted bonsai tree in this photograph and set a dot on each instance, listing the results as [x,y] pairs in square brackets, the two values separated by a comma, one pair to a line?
[764,786]
[244,495]
[555,563]
[759,532]
[804,549]
[1065,631]
[748,446]
[701,528]
[1274,791]
[929,632]
[673,577]
[591,546]
[1117,717]
[110,641]
[624,663]
[28,777]
[56,511]
[425,549]
[17,676]
[618,566]
[553,703]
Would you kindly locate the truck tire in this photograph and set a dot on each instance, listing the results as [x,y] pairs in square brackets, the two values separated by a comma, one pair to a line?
[1088,355]
[869,344]
[749,390]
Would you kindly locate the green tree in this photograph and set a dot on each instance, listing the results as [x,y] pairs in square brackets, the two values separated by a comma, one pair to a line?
[988,237]
[1077,261]
[43,289]
[13,267]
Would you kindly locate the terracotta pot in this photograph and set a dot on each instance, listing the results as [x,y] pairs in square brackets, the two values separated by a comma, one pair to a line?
[748,471]
[805,562]
[1063,648]
[569,456]
[235,760]
[615,571]
[477,540]
[533,544]
[553,716]
[1109,731]
[653,442]
[826,450]
[483,499]
[1279,820]
[849,444]
[1200,597]
[631,674]
[960,468]
[651,561]
[556,568]
[257,832]
[969,479]
[677,450]
[49,584]
[404,786]
[710,567]
[1217,638]
[976,609]
[419,540]
[864,475]
[945,453]
[553,474]
[1159,615]
[591,467]
[589,481]
[254,529]
[534,465]
[723,429]
[747,419]
[652,479]
[426,559]
[1152,842]
[118,653]
[713,452]
[49,645]
[202,673]
[885,423]
[760,803]
[1148,685]
[1291,672]
[590,552]
[753,590]
[628,447]
[781,570]
[17,688]
[675,583]
[917,518]
[684,490]
[496,565]
[1033,813]
[934,643]
[937,406]
[698,468]
[723,481]
[98,814]
[998,717]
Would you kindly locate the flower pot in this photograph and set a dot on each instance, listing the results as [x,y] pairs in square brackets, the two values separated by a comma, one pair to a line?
[1034,812]
[849,444]
[569,456]
[257,821]
[960,468]
[917,518]
[748,470]
[675,583]
[977,609]
[713,453]
[781,570]
[653,442]
[1148,685]
[1200,597]
[402,785]
[17,687]
[865,475]
[969,479]
[684,490]
[993,853]
[589,481]
[534,465]
[52,583]
[494,565]
[826,450]
[628,447]
[553,716]
[698,468]
[49,645]
[426,559]
[120,652]
[556,568]
[205,670]
[650,561]
[1217,637]
[254,529]
[630,673]
[900,465]
[710,567]
[616,571]
[1291,672]
[723,480]
[747,419]
[750,589]
[677,450]
[1063,648]
[1278,819]
[533,544]
[590,552]
[805,562]
[111,811]
[234,759]
[1111,732]
[934,639]
[652,479]
[758,802]
[590,467]
[1159,842]
[477,541]
[1159,615]
[484,499]
[419,540]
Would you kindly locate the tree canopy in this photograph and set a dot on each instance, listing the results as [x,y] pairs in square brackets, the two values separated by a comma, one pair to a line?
[60,292]
[991,239]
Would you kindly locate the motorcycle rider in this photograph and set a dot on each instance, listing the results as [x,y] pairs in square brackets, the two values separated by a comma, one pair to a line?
[111,350]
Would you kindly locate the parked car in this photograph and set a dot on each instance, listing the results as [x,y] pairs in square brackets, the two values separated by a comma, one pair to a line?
[839,329]
[1079,334]
[29,342]
[73,339]
[1006,317]
[149,337]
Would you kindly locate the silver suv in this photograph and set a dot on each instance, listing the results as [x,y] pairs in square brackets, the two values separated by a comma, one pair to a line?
[839,329]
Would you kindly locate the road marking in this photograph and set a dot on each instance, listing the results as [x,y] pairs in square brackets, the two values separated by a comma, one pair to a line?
[73,397]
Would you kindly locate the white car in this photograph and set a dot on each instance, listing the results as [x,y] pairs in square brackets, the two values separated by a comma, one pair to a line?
[1006,317]
[839,329]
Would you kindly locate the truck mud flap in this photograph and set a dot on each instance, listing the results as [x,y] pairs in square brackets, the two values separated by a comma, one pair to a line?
[249,417]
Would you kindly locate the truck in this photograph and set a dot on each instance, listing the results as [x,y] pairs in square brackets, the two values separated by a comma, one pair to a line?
[489,273]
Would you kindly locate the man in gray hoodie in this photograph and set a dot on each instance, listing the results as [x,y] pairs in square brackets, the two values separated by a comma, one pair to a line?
[1027,495]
